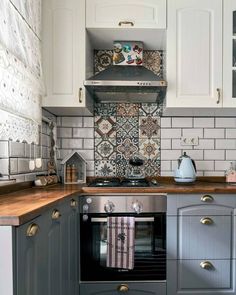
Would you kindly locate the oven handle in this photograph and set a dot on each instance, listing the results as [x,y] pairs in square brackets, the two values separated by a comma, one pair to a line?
[137,219]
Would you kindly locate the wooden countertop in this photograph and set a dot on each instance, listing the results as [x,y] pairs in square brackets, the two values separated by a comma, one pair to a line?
[19,207]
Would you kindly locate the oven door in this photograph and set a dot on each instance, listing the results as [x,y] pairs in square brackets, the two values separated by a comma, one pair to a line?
[149,255]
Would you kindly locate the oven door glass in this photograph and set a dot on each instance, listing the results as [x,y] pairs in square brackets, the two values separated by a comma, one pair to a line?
[149,255]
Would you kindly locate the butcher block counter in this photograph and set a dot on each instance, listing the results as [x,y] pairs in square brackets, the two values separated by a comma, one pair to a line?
[21,206]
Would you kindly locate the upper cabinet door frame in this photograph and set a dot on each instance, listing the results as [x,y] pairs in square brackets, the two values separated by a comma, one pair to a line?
[228,66]
[194,53]
[150,14]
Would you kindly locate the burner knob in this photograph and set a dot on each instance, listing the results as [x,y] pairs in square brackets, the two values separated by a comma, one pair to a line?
[109,207]
[137,206]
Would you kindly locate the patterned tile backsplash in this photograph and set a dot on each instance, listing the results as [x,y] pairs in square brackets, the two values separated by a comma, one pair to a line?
[122,130]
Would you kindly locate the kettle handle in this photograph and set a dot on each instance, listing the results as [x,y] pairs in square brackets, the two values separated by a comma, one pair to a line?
[194,165]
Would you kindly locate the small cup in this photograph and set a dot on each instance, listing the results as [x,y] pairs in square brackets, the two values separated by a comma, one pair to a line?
[31,165]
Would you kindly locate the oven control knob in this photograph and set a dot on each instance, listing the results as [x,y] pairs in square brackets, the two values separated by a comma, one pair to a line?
[137,206]
[109,207]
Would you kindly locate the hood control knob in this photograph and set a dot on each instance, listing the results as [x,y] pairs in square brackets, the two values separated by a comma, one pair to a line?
[109,207]
[137,207]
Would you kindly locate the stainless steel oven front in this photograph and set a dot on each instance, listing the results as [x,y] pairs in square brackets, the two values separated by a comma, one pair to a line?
[149,211]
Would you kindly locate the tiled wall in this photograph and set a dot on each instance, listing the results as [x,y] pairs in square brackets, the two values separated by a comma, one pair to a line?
[15,156]
[217,143]
[76,134]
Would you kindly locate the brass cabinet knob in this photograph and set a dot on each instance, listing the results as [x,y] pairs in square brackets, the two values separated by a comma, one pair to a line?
[73,203]
[123,288]
[207,198]
[206,265]
[32,230]
[206,220]
[56,214]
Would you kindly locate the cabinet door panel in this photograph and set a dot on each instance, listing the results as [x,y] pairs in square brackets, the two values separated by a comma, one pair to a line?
[194,53]
[108,14]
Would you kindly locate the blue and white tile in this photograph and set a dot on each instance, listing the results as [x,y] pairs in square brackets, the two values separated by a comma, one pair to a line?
[105,148]
[149,127]
[127,127]
[105,168]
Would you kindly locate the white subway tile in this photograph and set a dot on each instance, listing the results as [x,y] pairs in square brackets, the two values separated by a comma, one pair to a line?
[4,166]
[86,154]
[165,122]
[199,173]
[88,121]
[91,173]
[222,165]
[205,144]
[4,151]
[17,149]
[83,132]
[214,155]
[204,165]
[71,122]
[64,132]
[13,166]
[214,133]
[230,133]
[166,173]
[193,132]
[90,166]
[89,143]
[231,155]
[63,153]
[226,122]
[203,122]
[182,122]
[214,173]
[195,154]
[59,121]
[170,133]
[166,144]
[174,165]
[226,144]
[23,165]
[72,143]
[170,154]
[165,165]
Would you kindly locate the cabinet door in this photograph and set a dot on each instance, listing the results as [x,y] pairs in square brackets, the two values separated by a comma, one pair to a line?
[31,258]
[129,13]
[229,67]
[194,53]
[114,288]
[64,53]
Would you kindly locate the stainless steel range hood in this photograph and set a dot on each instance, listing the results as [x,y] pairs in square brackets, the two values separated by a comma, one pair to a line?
[126,84]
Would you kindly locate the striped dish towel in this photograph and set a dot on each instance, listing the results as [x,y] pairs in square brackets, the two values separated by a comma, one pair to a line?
[120,239]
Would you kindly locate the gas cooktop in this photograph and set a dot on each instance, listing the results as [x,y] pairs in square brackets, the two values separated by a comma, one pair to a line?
[126,182]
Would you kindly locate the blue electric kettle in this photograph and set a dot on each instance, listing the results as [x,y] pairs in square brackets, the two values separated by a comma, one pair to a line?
[186,171]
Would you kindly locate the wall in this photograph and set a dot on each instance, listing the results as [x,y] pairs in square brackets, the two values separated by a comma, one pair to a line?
[217,142]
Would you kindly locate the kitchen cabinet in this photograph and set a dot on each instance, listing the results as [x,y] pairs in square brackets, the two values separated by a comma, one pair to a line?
[229,54]
[194,53]
[64,47]
[201,244]
[149,14]
[133,288]
[42,254]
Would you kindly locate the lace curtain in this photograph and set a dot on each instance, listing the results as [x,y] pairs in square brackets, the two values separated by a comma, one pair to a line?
[21,83]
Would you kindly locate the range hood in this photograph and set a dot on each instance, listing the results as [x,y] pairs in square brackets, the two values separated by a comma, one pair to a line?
[126,84]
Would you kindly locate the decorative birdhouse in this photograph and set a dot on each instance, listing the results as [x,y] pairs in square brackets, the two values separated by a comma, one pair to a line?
[74,169]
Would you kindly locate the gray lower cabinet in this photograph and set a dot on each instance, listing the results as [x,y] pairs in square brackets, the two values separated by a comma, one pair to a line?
[201,244]
[131,288]
[47,253]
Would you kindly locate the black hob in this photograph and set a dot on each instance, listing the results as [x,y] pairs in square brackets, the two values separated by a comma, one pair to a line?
[116,182]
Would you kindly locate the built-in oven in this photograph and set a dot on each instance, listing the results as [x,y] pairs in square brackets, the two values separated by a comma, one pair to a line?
[149,212]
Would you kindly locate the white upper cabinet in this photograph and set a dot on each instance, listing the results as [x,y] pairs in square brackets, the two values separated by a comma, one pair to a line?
[229,57]
[194,53]
[126,14]
[64,46]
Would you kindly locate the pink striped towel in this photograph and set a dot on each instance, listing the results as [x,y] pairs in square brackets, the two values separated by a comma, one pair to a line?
[120,239]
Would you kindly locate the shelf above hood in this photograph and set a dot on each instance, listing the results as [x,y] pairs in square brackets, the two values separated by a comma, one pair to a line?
[126,83]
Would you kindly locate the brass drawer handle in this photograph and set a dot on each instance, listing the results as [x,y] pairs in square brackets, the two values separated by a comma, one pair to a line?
[32,230]
[73,203]
[207,198]
[56,214]
[206,265]
[206,220]
[218,95]
[123,288]
[126,23]
[80,95]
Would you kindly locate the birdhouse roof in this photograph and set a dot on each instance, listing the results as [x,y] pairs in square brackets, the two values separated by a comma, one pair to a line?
[70,155]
